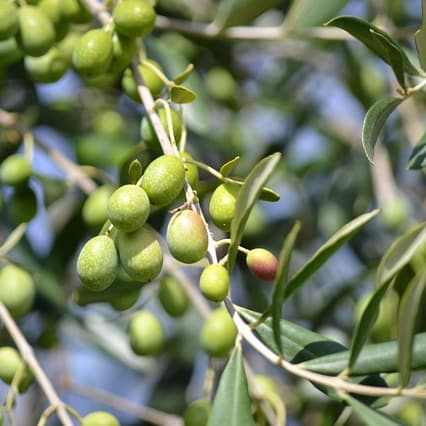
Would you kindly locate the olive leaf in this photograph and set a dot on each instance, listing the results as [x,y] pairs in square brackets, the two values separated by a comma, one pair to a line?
[13,239]
[135,171]
[182,76]
[181,94]
[227,168]
[417,158]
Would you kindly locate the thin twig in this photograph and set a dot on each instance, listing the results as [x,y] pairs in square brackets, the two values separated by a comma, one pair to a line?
[28,356]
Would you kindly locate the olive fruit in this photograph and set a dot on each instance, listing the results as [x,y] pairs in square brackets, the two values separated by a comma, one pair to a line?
[52,9]
[36,34]
[109,123]
[94,210]
[10,52]
[134,18]
[214,282]
[262,263]
[187,236]
[146,335]
[15,170]
[148,134]
[10,362]
[123,50]
[197,413]
[222,205]
[128,208]
[8,20]
[140,254]
[163,179]
[92,53]
[100,418]
[75,12]
[172,296]
[191,170]
[47,68]
[218,333]
[265,385]
[22,205]
[17,290]
[97,263]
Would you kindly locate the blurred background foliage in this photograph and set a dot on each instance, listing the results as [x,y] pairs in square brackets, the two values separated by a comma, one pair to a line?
[304,95]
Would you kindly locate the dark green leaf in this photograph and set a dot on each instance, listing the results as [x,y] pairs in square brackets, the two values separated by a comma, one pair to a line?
[181,77]
[408,312]
[227,168]
[311,13]
[268,194]
[135,171]
[246,199]
[420,37]
[369,416]
[182,95]
[232,405]
[281,281]
[13,239]
[377,40]
[374,121]
[327,250]
[417,158]
[373,359]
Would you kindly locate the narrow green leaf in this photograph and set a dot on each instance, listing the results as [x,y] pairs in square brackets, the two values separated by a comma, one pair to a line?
[182,76]
[246,199]
[231,405]
[268,194]
[182,95]
[227,168]
[374,121]
[417,158]
[401,252]
[373,359]
[281,282]
[377,40]
[369,416]
[366,322]
[135,171]
[13,239]
[311,13]
[327,250]
[408,313]
[420,38]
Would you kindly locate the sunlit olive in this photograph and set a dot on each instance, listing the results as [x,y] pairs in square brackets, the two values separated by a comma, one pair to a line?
[146,335]
[134,18]
[214,282]
[100,418]
[262,263]
[222,205]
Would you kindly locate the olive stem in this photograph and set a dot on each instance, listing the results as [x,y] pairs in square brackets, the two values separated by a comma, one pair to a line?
[28,356]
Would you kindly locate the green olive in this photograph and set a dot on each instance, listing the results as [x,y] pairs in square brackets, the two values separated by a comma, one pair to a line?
[100,418]
[197,413]
[8,20]
[262,263]
[140,254]
[75,11]
[146,335]
[22,205]
[97,263]
[94,210]
[128,208]
[15,170]
[187,236]
[36,33]
[93,53]
[52,9]
[10,52]
[134,18]
[215,282]
[47,68]
[191,170]
[218,333]
[124,49]
[148,134]
[109,123]
[17,290]
[67,44]
[10,363]
[222,205]
[172,296]
[163,179]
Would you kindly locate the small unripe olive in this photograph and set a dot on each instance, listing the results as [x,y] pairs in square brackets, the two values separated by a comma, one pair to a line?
[47,68]
[10,52]
[264,384]
[97,263]
[15,170]
[214,282]
[134,18]
[10,362]
[22,205]
[222,205]
[163,179]
[148,134]
[125,300]
[94,210]
[109,123]
[218,333]
[17,290]
[187,237]
[36,33]
[140,254]
[191,170]
[93,53]
[262,263]
[197,413]
[74,11]
[124,49]
[8,20]
[52,9]
[67,44]
[100,418]
[172,296]
[146,335]
[128,208]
